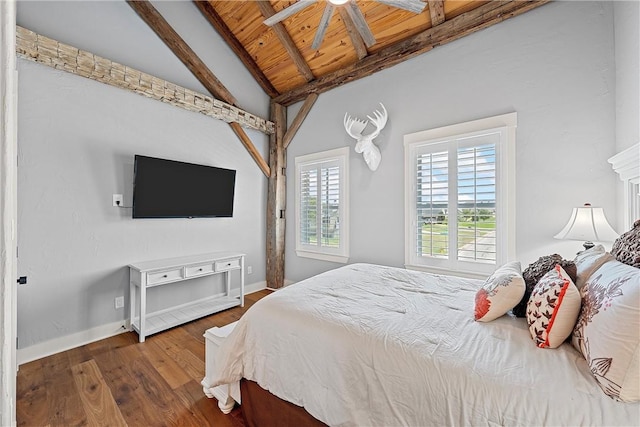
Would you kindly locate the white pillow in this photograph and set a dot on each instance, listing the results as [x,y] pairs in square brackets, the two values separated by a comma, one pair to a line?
[608,329]
[553,308]
[500,293]
[587,262]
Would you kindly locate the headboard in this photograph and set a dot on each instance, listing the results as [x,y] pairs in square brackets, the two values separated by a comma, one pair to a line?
[627,165]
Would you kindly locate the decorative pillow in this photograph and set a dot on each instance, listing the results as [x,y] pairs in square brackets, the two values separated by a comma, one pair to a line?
[608,329]
[626,248]
[587,262]
[553,308]
[502,290]
[534,273]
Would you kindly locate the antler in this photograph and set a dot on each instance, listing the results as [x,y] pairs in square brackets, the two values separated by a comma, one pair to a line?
[354,127]
[379,121]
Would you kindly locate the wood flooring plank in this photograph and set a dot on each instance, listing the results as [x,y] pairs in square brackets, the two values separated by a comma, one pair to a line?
[172,373]
[98,403]
[121,381]
[32,406]
[193,365]
[65,409]
[158,397]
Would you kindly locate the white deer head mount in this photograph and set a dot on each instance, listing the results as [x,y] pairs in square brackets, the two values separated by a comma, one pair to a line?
[365,144]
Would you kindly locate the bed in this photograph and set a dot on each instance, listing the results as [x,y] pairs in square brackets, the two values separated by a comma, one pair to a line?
[370,345]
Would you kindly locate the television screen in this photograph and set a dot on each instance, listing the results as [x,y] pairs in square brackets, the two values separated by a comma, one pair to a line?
[171,189]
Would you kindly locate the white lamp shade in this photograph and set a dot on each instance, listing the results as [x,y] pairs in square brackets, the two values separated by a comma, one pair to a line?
[588,223]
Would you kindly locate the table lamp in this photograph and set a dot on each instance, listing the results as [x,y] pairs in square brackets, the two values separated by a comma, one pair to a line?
[588,224]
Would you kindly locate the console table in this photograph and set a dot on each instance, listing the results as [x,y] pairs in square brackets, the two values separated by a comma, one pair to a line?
[149,274]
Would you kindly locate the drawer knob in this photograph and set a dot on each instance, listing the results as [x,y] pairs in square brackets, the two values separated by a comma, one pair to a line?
[165,276]
[199,269]
[229,265]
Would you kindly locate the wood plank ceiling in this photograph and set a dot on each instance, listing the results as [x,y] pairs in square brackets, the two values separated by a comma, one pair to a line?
[281,57]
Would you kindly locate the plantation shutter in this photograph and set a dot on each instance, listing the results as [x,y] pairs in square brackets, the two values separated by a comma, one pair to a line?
[320,204]
[432,200]
[476,166]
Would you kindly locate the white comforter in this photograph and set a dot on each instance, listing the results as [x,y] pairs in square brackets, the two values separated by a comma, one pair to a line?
[367,345]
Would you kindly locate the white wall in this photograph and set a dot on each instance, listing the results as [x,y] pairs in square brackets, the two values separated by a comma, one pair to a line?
[627,50]
[77,139]
[627,53]
[554,66]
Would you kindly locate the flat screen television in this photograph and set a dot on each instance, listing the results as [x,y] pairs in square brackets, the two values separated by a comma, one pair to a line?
[172,189]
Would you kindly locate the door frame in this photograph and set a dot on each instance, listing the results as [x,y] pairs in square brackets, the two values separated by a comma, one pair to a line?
[8,211]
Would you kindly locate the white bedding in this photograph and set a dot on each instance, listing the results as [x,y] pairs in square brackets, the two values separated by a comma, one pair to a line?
[367,345]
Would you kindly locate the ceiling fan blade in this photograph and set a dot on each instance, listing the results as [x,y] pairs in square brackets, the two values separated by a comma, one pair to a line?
[415,6]
[322,27]
[287,12]
[361,25]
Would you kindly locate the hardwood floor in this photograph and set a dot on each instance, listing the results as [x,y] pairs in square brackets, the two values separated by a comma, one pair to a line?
[119,382]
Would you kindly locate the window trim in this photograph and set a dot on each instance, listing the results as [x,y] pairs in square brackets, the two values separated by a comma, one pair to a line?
[505,191]
[341,254]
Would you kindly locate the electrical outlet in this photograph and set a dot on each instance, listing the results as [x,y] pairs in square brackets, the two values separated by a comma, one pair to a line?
[249,269]
[118,200]
[119,302]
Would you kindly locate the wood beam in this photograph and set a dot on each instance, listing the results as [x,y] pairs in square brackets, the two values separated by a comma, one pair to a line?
[436,10]
[267,11]
[276,199]
[450,30]
[356,39]
[225,32]
[297,122]
[253,152]
[181,49]
[43,50]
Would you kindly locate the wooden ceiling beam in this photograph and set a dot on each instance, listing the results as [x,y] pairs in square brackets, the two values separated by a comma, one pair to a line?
[181,49]
[356,39]
[436,10]
[297,122]
[450,30]
[225,32]
[253,152]
[267,11]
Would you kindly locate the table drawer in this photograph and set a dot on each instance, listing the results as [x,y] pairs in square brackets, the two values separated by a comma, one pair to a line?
[197,270]
[229,264]
[164,276]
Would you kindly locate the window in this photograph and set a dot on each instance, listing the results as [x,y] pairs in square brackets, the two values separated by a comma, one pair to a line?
[459,196]
[322,215]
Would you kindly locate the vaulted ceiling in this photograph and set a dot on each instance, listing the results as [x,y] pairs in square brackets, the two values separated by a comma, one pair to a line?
[282,59]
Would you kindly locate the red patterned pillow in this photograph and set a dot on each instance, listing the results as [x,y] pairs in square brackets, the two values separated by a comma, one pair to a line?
[500,293]
[553,308]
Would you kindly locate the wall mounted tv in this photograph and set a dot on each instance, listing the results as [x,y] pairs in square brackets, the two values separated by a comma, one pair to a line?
[171,189]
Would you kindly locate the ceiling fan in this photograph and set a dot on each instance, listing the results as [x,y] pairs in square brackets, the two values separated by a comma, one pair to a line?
[415,6]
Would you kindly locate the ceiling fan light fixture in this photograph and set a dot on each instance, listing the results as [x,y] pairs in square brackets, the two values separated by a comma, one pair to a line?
[338,2]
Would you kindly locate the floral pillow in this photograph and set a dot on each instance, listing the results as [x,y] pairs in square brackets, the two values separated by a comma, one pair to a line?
[587,262]
[534,272]
[553,308]
[608,329]
[500,293]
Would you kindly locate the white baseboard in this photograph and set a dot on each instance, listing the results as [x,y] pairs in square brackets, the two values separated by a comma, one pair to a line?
[57,345]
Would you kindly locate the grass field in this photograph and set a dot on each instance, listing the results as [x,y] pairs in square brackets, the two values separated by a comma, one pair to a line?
[436,236]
